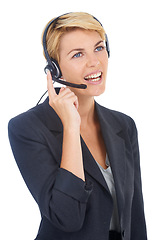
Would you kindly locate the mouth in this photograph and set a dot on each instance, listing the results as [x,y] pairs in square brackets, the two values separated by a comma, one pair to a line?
[95,77]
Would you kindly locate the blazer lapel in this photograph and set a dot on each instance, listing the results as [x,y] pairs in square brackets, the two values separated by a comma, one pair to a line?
[116,151]
[91,166]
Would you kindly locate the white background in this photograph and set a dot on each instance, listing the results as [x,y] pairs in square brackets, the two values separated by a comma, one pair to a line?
[132,87]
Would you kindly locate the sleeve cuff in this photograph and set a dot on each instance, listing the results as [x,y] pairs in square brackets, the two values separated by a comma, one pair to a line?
[72,186]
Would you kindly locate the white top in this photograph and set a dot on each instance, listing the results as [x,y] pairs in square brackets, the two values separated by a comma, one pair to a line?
[108,176]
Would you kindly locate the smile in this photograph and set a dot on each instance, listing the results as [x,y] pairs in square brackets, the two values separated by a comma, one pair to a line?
[93,77]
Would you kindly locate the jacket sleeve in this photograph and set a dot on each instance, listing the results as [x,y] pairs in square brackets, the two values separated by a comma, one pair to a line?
[62,197]
[138,225]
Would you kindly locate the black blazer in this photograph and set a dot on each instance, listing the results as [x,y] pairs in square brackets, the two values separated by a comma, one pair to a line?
[70,208]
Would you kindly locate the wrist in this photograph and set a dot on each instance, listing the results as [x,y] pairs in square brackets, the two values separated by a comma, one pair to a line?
[71,129]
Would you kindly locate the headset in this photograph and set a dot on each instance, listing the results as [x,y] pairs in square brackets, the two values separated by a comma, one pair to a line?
[52,64]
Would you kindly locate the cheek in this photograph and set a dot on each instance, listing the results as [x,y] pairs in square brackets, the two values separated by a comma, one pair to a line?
[105,66]
[64,69]
[70,71]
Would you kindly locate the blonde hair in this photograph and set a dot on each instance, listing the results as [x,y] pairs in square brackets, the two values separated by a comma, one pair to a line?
[66,23]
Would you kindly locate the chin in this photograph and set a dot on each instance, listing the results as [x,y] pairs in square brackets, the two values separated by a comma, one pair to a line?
[99,91]
[90,92]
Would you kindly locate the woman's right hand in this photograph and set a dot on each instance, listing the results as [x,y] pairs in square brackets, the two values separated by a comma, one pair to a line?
[65,105]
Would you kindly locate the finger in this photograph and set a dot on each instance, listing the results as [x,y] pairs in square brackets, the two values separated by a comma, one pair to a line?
[61,90]
[64,91]
[51,90]
[72,98]
[76,103]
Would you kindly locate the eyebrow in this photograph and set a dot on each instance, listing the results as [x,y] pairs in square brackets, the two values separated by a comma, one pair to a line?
[81,49]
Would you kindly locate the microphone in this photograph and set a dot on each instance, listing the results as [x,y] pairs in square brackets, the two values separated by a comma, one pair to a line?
[56,79]
[74,85]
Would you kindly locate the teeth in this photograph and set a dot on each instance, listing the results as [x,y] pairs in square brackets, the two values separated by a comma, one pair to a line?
[95,80]
[94,76]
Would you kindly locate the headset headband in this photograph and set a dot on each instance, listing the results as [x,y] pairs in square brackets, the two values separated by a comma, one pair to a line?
[55,21]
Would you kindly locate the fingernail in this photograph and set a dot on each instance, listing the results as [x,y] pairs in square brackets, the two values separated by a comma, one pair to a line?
[47,71]
[62,88]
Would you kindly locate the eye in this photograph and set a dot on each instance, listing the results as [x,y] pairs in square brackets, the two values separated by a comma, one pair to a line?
[100,48]
[77,55]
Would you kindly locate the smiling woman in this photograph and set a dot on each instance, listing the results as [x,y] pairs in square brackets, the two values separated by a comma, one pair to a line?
[80,160]
[84,52]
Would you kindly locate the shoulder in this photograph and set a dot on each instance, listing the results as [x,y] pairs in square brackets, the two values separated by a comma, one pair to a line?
[114,115]
[29,120]
[36,120]
[117,120]
[28,117]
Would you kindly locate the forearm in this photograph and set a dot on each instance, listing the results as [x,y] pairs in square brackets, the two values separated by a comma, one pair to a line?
[65,104]
[72,153]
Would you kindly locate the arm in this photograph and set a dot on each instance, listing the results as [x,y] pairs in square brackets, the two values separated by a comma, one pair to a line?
[66,104]
[72,153]
[58,188]
[62,197]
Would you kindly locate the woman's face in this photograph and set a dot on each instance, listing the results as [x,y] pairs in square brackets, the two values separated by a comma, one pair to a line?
[84,60]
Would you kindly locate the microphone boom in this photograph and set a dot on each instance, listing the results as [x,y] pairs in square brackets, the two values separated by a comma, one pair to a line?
[74,85]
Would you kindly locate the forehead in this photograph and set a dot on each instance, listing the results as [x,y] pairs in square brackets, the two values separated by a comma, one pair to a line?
[79,38]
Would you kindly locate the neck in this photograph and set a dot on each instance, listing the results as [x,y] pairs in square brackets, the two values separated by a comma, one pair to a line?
[86,110]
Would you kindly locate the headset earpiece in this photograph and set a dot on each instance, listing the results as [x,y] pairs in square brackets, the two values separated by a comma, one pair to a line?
[107,45]
[54,68]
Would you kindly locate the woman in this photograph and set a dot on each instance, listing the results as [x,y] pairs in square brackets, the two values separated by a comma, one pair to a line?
[80,160]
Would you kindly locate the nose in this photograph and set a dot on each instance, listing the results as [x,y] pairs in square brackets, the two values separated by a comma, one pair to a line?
[92,60]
